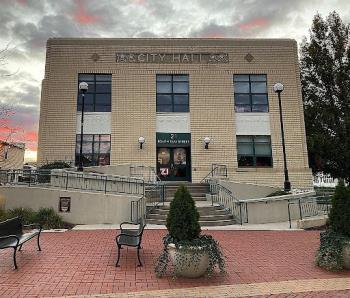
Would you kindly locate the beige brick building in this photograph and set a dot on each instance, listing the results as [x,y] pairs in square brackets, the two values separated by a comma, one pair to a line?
[175,93]
[11,155]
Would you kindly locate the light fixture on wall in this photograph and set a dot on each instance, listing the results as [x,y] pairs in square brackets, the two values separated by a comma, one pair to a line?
[278,88]
[83,87]
[141,141]
[206,142]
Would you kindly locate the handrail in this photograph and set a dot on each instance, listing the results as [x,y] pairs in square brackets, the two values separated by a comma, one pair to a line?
[67,179]
[143,206]
[310,206]
[223,196]
[150,170]
[214,167]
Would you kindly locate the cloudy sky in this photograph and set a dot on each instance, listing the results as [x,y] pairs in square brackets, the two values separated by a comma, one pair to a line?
[25,25]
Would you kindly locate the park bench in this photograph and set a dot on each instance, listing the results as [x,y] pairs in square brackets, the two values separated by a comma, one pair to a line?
[12,235]
[130,237]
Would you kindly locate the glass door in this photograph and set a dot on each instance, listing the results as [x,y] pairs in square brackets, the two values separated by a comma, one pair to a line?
[173,164]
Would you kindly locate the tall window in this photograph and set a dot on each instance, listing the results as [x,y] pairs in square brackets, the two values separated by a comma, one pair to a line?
[254,151]
[172,93]
[96,150]
[98,96]
[250,93]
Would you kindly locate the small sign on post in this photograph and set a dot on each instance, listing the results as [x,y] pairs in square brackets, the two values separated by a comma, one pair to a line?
[64,204]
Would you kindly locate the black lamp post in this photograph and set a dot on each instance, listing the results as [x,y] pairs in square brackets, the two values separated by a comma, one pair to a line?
[83,87]
[278,88]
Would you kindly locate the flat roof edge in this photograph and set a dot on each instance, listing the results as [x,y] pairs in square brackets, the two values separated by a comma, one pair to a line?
[170,41]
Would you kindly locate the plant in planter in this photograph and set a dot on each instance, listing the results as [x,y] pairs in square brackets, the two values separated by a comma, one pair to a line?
[192,254]
[334,252]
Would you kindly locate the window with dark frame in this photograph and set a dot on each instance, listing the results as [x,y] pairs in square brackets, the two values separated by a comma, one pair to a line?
[254,151]
[250,93]
[96,149]
[98,95]
[172,93]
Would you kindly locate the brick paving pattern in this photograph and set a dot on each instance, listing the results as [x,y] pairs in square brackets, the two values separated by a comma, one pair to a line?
[82,263]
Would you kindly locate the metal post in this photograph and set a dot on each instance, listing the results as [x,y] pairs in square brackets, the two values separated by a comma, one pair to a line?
[67,181]
[240,212]
[301,216]
[106,185]
[80,166]
[287,185]
[290,221]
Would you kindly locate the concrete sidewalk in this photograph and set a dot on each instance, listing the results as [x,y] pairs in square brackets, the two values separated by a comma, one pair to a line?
[279,226]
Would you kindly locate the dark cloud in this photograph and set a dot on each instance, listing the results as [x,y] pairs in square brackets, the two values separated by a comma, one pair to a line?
[27,24]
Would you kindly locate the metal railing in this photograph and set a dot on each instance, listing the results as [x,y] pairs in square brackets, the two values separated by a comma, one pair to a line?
[74,180]
[147,173]
[310,206]
[224,197]
[154,196]
[217,170]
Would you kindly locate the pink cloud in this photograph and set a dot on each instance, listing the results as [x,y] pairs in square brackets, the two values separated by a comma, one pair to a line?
[252,24]
[140,2]
[82,16]
[22,2]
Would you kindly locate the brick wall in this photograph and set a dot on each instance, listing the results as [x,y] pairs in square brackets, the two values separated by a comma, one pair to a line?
[211,102]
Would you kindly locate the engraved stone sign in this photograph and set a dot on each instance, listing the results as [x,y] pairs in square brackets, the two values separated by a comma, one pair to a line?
[183,58]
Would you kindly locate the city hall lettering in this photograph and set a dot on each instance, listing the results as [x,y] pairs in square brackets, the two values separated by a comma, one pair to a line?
[185,58]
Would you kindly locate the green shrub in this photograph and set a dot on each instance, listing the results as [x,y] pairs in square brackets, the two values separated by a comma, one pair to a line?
[184,231]
[329,256]
[44,172]
[182,221]
[55,165]
[27,215]
[339,216]
[3,215]
[49,219]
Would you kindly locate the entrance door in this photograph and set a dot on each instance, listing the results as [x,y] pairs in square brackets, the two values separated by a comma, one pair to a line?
[173,164]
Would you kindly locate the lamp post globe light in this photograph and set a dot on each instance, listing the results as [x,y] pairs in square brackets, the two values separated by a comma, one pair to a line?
[141,141]
[83,87]
[206,142]
[278,88]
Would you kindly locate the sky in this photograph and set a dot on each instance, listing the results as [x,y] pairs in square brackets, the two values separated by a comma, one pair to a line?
[25,26]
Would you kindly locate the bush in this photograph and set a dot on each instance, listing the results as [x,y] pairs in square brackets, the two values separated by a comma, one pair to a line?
[49,219]
[184,231]
[44,172]
[182,221]
[332,241]
[55,165]
[329,256]
[27,215]
[339,216]
[46,217]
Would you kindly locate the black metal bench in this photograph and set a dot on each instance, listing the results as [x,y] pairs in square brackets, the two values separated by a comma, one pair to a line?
[13,236]
[130,237]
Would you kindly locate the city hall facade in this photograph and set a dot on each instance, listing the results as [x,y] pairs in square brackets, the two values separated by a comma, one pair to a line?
[194,103]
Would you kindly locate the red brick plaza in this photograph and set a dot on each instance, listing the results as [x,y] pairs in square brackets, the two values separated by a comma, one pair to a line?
[83,263]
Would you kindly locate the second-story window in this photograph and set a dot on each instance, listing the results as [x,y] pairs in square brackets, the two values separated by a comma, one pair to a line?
[250,93]
[98,95]
[172,93]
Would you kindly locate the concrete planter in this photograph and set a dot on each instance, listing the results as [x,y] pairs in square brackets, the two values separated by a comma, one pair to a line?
[346,255]
[184,263]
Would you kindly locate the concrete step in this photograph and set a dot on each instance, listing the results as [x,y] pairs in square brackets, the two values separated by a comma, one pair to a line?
[200,211]
[202,223]
[206,218]
[202,198]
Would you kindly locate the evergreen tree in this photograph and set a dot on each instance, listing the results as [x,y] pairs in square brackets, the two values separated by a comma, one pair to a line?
[325,77]
[182,221]
[339,216]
